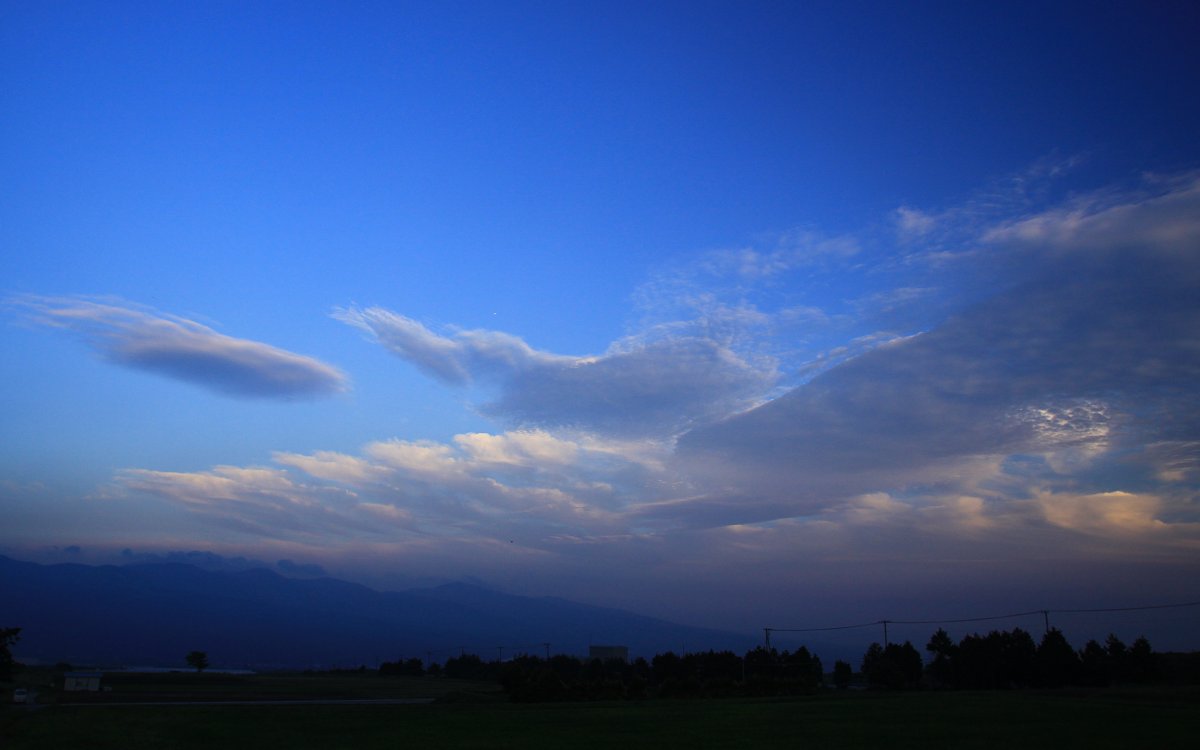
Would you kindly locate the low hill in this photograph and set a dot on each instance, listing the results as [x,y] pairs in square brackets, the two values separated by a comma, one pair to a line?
[156,613]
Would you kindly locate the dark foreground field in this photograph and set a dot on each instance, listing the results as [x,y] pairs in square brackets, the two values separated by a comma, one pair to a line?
[471,718]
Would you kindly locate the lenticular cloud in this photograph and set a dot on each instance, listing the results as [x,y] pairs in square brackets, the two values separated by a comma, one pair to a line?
[183,349]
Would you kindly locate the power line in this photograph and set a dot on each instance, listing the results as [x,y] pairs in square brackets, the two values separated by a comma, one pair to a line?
[1129,609]
[835,627]
[950,621]
[974,619]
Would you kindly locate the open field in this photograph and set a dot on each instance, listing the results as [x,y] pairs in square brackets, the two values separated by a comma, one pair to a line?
[469,717]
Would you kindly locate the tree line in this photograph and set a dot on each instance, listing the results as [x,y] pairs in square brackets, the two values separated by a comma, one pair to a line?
[698,674]
[998,660]
[1012,659]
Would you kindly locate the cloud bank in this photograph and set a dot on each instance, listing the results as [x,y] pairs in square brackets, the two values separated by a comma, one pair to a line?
[182,349]
[524,485]
[1091,352]
[1046,428]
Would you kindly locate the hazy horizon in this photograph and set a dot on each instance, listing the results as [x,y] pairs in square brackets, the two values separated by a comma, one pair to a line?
[238,617]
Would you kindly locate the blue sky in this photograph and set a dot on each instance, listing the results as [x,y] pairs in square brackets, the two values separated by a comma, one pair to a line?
[639,304]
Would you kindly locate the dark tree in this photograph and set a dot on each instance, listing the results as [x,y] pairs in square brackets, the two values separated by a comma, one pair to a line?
[1094,668]
[893,667]
[641,669]
[666,666]
[760,663]
[1018,659]
[842,674]
[942,668]
[1118,658]
[1141,661]
[1001,659]
[467,667]
[413,667]
[909,659]
[803,669]
[8,636]
[1057,662]
[198,660]
[529,678]
[567,667]
[873,667]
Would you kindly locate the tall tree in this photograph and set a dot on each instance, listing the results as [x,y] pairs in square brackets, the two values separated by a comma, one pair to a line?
[941,669]
[1057,662]
[8,636]
[1141,662]
[895,667]
[1094,664]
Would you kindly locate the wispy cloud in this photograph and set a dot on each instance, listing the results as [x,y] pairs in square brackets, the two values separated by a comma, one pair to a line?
[524,485]
[658,387]
[458,358]
[183,349]
[912,223]
[1159,222]
[256,502]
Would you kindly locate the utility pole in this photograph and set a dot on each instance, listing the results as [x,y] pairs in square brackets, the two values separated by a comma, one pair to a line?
[547,645]
[885,634]
[767,637]
[1046,617]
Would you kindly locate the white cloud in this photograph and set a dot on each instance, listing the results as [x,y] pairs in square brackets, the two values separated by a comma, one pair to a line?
[1104,512]
[912,223]
[257,501]
[524,448]
[331,466]
[420,457]
[1160,225]
[1123,516]
[183,349]
[522,485]
[458,358]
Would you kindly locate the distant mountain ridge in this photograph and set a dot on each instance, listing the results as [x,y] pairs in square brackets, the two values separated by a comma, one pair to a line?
[156,613]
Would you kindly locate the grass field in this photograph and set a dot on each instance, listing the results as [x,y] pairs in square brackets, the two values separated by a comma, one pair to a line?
[1115,718]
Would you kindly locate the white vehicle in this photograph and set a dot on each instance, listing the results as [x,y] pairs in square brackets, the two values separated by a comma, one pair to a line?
[20,695]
